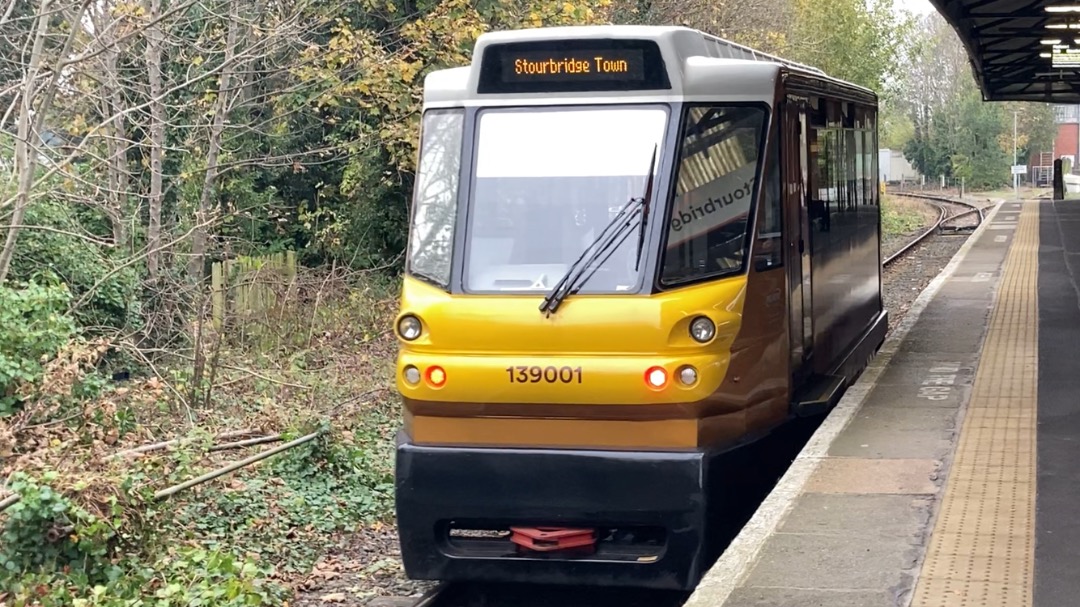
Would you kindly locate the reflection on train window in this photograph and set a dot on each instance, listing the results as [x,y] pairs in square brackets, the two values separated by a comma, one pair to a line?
[548,181]
[769,247]
[714,188]
[435,196]
[841,175]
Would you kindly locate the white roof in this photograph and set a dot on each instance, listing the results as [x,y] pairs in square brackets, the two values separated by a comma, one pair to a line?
[700,67]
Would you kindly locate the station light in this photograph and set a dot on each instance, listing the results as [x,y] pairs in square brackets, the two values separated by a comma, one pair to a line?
[1051,41]
[656,377]
[1068,8]
[1044,55]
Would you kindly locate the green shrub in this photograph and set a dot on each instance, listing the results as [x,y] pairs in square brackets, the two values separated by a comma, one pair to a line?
[45,531]
[33,326]
[111,297]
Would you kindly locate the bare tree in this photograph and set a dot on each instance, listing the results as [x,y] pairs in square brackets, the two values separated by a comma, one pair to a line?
[31,118]
[761,24]
[157,139]
[222,105]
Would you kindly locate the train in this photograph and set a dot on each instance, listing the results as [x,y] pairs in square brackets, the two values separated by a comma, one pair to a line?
[633,251]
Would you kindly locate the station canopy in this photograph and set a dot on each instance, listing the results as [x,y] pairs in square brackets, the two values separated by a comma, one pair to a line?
[1020,50]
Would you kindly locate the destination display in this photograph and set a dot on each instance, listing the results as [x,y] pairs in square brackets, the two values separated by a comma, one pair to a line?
[578,65]
[610,64]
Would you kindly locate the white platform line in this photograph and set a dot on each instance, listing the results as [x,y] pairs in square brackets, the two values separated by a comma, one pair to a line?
[740,556]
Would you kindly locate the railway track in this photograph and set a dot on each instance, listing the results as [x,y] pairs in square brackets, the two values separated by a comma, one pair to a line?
[523,595]
[954,216]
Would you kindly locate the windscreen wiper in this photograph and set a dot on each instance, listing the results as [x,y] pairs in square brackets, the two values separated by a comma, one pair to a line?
[611,237]
[645,200]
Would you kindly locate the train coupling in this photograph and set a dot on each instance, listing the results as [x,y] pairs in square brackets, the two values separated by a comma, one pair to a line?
[553,539]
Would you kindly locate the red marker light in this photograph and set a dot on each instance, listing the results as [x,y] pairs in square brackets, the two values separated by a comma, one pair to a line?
[656,377]
[436,376]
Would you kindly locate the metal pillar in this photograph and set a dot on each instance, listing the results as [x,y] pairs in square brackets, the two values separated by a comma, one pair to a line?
[1016,178]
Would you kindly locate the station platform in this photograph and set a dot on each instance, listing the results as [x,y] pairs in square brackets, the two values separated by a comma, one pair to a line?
[949,474]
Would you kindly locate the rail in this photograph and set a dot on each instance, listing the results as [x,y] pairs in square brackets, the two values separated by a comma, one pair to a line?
[940,202]
[918,239]
[947,199]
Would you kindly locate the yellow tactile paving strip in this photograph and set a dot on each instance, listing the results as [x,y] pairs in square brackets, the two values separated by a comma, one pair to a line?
[982,549]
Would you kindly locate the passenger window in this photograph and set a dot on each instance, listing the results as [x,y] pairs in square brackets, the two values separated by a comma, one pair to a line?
[715,184]
[769,247]
[821,192]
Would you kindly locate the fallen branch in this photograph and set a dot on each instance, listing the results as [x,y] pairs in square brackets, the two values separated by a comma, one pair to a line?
[175,441]
[164,493]
[209,476]
[14,498]
[247,443]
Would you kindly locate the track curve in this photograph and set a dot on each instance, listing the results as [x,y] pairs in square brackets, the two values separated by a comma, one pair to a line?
[943,203]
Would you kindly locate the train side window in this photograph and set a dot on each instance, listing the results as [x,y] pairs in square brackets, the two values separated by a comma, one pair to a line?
[872,158]
[821,188]
[715,184]
[852,150]
[860,170]
[868,164]
[435,196]
[769,245]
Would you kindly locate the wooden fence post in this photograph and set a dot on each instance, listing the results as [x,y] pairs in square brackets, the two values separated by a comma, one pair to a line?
[217,287]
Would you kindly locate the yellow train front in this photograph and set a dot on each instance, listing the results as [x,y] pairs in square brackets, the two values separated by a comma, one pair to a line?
[632,250]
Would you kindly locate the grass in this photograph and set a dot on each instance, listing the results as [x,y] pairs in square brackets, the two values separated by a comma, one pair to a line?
[901,215]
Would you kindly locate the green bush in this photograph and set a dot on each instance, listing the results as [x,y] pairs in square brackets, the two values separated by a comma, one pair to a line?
[111,297]
[45,531]
[54,552]
[33,326]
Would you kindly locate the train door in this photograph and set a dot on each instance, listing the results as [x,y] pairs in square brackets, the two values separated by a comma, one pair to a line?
[796,179]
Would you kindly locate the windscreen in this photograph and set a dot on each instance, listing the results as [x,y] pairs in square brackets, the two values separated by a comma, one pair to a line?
[547,182]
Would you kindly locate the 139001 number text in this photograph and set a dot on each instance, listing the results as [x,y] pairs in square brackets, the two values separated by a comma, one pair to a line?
[523,374]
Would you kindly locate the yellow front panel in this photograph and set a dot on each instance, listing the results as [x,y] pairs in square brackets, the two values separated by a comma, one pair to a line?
[595,380]
[602,344]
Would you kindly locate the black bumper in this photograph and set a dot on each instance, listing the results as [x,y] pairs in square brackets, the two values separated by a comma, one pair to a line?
[650,510]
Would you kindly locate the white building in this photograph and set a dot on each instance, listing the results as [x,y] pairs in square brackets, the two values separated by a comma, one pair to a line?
[894,168]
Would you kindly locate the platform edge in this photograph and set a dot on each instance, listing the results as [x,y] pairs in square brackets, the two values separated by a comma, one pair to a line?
[735,564]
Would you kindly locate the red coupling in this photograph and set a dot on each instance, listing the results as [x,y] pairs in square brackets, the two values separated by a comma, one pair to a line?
[550,539]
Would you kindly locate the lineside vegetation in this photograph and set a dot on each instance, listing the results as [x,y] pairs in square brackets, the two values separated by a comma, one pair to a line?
[203,208]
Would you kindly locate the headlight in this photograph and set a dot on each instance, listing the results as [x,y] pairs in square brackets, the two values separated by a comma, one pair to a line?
[409,327]
[702,329]
[688,375]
